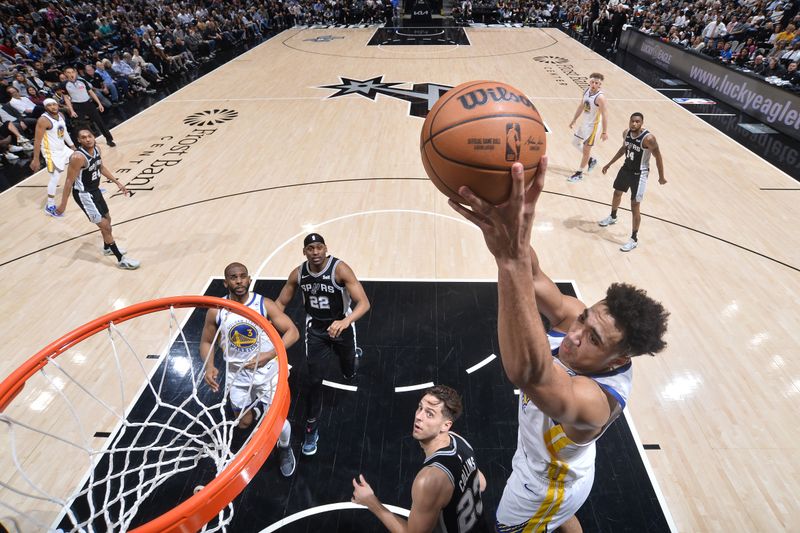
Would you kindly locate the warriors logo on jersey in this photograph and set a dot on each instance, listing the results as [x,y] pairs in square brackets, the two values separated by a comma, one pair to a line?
[243,336]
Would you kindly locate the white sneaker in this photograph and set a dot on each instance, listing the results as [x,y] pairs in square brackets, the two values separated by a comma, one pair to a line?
[51,210]
[14,148]
[609,220]
[575,178]
[107,251]
[11,157]
[630,245]
[128,264]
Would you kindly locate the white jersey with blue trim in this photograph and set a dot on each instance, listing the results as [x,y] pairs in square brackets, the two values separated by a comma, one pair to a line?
[591,110]
[543,449]
[239,338]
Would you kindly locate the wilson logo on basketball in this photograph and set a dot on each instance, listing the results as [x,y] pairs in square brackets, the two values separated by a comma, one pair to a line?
[480,97]
[211,117]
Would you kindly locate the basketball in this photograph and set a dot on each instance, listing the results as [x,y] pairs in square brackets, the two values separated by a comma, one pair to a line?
[474,133]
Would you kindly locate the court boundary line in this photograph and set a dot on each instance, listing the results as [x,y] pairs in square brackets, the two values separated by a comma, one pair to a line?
[320,509]
[350,180]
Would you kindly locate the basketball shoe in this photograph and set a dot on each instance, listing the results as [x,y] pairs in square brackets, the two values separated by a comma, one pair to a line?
[608,221]
[630,245]
[575,178]
[287,461]
[51,210]
[592,164]
[128,264]
[310,441]
[107,251]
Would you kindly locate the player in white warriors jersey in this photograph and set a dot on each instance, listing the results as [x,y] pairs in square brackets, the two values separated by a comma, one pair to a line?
[251,367]
[593,114]
[572,385]
[52,140]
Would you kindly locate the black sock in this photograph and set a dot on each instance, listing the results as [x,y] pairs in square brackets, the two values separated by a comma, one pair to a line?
[613,213]
[311,425]
[113,247]
[634,235]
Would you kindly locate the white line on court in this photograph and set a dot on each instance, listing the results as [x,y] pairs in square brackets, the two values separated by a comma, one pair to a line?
[409,388]
[254,99]
[326,509]
[307,230]
[653,480]
[715,114]
[334,385]
[482,364]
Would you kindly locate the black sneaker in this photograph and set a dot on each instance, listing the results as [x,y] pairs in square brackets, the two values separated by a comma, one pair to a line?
[310,442]
[287,460]
[111,143]
[592,164]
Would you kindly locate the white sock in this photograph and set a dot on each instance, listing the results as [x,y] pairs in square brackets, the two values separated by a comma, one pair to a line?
[51,187]
[286,435]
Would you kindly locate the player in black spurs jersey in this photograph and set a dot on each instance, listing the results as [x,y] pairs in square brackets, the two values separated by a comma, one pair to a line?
[328,286]
[638,143]
[83,179]
[446,494]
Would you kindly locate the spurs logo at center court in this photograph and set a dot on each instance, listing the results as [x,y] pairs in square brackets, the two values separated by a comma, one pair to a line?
[421,96]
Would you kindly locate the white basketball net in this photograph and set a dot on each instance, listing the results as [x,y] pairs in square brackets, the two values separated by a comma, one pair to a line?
[176,435]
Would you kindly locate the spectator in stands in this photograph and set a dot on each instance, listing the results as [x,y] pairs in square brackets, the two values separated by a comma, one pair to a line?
[714,30]
[792,75]
[726,54]
[103,90]
[759,65]
[773,69]
[23,104]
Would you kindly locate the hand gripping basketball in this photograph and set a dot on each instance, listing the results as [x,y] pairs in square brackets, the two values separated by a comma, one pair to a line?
[474,134]
[507,227]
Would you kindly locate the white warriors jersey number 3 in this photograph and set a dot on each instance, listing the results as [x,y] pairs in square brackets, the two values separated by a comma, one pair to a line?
[553,475]
[241,341]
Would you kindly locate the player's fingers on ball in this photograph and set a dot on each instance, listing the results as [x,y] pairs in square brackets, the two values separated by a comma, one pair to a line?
[466,213]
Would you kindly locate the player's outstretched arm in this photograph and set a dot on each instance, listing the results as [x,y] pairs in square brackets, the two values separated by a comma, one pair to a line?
[76,162]
[429,494]
[559,308]
[107,173]
[524,349]
[282,322]
[207,349]
[288,290]
[345,276]
[652,144]
[619,154]
[602,105]
[41,129]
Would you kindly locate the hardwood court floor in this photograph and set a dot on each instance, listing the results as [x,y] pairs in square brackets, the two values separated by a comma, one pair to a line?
[281,157]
